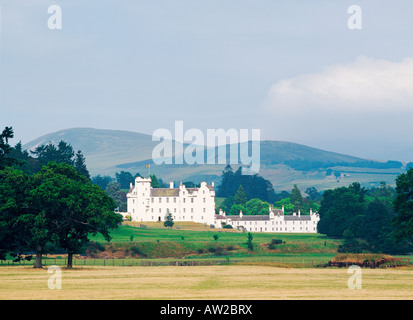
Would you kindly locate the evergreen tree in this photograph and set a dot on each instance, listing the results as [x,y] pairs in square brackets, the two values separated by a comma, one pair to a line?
[240,197]
[80,164]
[297,199]
[5,148]
[169,221]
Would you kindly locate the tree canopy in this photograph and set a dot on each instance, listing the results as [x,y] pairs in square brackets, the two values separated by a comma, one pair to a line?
[254,186]
[56,206]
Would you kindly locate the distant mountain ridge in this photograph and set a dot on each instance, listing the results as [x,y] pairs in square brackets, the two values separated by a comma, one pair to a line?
[111,151]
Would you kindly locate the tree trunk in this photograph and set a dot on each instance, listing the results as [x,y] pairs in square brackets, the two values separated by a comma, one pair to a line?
[38,261]
[69,260]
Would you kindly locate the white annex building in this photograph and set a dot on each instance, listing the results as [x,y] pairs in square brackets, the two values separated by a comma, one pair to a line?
[275,221]
[145,203]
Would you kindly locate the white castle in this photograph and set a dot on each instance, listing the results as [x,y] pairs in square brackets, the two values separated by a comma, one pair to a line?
[145,203]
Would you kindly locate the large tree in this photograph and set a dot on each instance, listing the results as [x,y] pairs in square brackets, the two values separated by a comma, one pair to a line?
[403,205]
[342,209]
[14,207]
[69,207]
[255,186]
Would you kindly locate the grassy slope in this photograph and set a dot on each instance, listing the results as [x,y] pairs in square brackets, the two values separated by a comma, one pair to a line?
[187,241]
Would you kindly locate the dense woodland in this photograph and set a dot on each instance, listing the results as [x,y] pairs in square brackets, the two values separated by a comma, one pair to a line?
[49,202]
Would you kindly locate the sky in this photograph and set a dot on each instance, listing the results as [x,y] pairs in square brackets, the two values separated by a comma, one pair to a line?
[295,70]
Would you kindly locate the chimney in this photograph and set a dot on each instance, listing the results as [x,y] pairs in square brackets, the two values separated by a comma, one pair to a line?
[282,209]
[299,213]
[171,185]
[311,211]
[240,214]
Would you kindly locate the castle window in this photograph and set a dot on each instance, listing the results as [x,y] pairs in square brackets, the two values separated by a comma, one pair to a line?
[174,200]
[204,210]
[204,200]
[152,199]
[160,200]
[167,200]
[192,200]
[160,210]
[192,210]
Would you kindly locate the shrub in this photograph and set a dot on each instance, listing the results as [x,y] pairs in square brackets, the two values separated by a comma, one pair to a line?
[136,251]
[95,246]
[276,241]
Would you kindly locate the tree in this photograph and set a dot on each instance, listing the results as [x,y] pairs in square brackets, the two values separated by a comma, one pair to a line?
[297,199]
[257,207]
[113,191]
[255,185]
[240,197]
[94,215]
[80,164]
[403,205]
[124,179]
[63,153]
[69,208]
[15,211]
[227,203]
[102,181]
[250,245]
[169,221]
[341,209]
[236,208]
[5,148]
[157,182]
[313,194]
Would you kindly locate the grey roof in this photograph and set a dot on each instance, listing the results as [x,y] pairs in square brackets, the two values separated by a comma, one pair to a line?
[249,218]
[264,217]
[164,192]
[299,218]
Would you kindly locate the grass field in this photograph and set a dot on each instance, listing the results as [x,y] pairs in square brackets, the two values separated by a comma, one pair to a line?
[203,283]
[282,272]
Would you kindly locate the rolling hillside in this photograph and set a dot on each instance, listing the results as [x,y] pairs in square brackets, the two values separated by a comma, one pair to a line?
[111,151]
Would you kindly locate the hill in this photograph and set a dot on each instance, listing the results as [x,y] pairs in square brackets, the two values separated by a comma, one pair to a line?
[283,163]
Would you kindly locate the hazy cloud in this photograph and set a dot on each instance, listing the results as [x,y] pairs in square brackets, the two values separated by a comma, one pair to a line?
[365,85]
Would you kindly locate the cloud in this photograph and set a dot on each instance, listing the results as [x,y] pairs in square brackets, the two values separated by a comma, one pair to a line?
[365,85]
